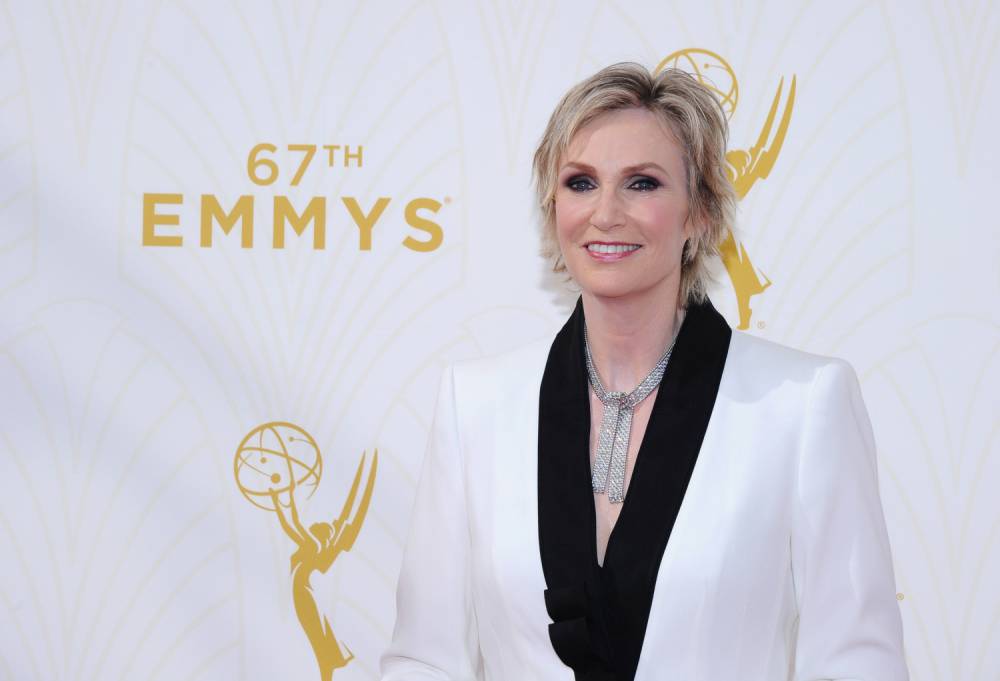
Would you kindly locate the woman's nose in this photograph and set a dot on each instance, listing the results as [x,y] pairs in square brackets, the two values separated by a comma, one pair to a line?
[608,211]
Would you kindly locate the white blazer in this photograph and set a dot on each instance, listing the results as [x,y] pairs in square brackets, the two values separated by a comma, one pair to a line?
[765,556]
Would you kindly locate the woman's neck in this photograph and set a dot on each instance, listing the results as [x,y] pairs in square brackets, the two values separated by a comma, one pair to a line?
[628,336]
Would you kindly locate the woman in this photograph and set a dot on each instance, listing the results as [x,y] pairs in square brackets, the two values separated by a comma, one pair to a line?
[727,525]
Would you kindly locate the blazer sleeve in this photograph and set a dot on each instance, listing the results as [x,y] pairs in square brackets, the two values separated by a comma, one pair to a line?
[849,621]
[436,635]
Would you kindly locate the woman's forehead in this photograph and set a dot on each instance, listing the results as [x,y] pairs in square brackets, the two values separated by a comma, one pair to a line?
[624,138]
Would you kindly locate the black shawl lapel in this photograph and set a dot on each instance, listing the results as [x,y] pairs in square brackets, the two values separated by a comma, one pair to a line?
[566,517]
[600,614]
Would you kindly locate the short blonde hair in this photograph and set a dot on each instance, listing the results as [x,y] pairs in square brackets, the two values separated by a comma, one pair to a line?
[698,123]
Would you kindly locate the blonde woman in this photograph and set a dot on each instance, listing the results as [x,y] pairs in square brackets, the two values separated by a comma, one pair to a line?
[651,495]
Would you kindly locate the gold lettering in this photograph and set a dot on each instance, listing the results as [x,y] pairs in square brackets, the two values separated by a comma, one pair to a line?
[254,163]
[422,223]
[151,219]
[315,212]
[212,211]
[356,156]
[364,222]
[310,151]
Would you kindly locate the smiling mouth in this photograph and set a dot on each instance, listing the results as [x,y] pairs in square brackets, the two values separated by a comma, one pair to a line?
[601,247]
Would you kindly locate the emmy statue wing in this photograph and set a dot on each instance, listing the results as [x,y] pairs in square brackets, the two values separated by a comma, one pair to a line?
[347,530]
[764,153]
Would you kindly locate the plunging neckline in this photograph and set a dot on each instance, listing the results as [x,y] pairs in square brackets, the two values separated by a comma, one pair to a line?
[600,612]
[679,317]
[628,479]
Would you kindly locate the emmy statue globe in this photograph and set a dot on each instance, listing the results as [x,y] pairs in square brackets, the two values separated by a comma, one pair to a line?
[275,463]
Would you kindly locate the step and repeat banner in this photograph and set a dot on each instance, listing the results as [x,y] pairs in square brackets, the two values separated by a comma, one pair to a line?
[240,241]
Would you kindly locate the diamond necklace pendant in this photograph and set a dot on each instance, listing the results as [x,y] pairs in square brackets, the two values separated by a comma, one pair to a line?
[608,473]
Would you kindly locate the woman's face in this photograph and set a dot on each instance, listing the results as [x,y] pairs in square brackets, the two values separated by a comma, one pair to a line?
[621,207]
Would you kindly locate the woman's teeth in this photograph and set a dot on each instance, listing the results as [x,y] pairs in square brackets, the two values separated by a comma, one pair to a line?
[611,248]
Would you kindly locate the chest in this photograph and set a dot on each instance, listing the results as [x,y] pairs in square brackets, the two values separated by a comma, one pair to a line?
[605,511]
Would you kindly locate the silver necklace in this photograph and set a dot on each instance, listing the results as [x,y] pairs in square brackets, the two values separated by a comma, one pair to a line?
[608,473]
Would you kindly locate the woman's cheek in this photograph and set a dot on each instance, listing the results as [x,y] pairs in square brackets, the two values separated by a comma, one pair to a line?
[570,215]
[660,220]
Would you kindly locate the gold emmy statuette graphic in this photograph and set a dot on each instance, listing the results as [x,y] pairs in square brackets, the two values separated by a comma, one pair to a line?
[745,167]
[275,462]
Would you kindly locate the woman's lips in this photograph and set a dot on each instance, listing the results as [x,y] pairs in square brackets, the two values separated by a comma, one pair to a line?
[616,251]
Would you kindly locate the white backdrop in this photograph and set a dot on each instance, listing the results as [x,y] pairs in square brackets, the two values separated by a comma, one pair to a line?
[130,372]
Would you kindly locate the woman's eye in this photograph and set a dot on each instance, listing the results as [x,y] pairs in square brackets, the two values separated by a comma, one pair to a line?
[644,184]
[582,184]
[579,184]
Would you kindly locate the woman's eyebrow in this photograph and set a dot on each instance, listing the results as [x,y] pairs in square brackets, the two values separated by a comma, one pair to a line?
[577,166]
[643,166]
[625,171]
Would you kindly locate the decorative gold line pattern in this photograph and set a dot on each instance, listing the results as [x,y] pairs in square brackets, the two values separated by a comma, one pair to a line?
[38,511]
[172,648]
[17,269]
[179,584]
[26,640]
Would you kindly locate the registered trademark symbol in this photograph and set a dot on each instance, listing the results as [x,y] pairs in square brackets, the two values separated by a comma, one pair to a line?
[447,199]
[899,596]
[761,325]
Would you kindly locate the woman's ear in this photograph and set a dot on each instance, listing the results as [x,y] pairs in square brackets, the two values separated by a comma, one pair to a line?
[693,230]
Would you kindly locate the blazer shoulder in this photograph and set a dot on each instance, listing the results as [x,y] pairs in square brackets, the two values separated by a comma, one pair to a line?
[504,375]
[752,352]
[758,366]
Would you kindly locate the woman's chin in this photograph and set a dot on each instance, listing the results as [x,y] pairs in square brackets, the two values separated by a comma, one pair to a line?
[621,286]
[603,288]
[623,282]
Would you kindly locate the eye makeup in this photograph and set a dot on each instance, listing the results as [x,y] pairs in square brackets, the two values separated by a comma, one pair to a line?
[581,183]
